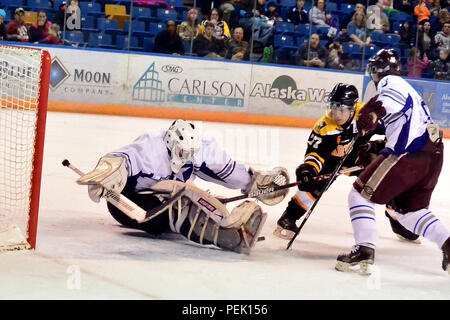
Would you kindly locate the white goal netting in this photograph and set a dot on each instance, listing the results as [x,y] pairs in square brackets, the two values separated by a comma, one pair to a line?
[20,70]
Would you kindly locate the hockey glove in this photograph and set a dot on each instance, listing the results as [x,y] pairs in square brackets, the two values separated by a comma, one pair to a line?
[368,151]
[369,116]
[109,174]
[305,174]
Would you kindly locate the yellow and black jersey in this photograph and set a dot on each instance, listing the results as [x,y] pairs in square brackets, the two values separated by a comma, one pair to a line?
[329,141]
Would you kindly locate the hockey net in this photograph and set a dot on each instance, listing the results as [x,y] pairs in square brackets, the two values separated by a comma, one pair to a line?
[24,80]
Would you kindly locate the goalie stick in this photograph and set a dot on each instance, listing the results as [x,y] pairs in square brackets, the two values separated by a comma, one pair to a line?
[289,185]
[333,175]
[127,206]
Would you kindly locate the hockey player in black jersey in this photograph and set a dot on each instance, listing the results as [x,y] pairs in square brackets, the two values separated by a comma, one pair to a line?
[327,143]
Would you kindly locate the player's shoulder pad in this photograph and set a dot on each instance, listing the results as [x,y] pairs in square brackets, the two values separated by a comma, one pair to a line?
[326,126]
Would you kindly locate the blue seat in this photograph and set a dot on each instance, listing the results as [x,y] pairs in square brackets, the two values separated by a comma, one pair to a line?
[88,24]
[281,27]
[283,40]
[75,37]
[285,55]
[123,40]
[347,8]
[287,3]
[176,3]
[143,14]
[303,29]
[371,50]
[12,3]
[299,41]
[390,38]
[91,9]
[109,26]
[165,14]
[36,5]
[155,28]
[100,40]
[331,6]
[350,48]
[137,28]
[399,16]
[149,44]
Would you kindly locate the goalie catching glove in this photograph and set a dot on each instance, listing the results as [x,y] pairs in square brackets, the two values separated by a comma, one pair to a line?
[264,182]
[110,173]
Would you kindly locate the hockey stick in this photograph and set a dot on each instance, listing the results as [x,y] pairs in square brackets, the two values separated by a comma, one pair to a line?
[333,175]
[127,206]
[258,193]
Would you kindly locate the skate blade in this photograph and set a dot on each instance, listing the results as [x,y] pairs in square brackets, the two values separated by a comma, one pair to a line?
[417,241]
[363,268]
[283,233]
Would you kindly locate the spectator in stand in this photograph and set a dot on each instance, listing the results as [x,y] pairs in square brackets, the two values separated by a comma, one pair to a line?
[190,28]
[404,6]
[415,64]
[377,20]
[344,58]
[312,54]
[168,42]
[208,46]
[334,60]
[421,11]
[60,15]
[272,12]
[237,48]
[441,66]
[435,8]
[425,42]
[406,35]
[444,17]
[221,30]
[256,24]
[317,14]
[298,15]
[2,25]
[357,29]
[359,7]
[52,36]
[442,38]
[39,30]
[16,29]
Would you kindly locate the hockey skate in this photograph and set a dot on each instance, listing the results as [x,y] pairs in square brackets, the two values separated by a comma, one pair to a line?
[359,260]
[446,253]
[286,227]
[401,232]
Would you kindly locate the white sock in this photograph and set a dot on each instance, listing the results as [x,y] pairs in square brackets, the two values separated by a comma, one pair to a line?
[424,223]
[362,215]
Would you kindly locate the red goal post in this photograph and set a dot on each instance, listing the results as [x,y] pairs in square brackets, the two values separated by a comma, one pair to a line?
[24,85]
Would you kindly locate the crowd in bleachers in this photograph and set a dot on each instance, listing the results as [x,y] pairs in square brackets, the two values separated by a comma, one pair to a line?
[337,34]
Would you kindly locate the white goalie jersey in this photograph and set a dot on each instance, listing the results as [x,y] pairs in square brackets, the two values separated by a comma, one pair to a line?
[148,162]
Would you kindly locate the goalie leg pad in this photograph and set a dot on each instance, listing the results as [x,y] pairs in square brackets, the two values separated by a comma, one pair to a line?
[204,230]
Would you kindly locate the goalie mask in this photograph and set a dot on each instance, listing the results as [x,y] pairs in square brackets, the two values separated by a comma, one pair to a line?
[183,142]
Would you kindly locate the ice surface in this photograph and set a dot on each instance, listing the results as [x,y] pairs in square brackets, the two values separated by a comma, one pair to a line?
[82,253]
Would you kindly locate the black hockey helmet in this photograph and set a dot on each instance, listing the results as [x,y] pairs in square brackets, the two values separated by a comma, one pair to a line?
[343,95]
[384,63]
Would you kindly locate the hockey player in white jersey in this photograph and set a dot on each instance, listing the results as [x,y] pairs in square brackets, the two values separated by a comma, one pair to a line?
[160,164]
[404,174]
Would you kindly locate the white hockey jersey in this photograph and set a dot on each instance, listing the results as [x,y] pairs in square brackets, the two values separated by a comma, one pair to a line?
[148,162]
[406,118]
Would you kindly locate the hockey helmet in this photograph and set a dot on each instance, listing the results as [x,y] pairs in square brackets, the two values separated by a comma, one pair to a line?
[384,63]
[343,96]
[183,142]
